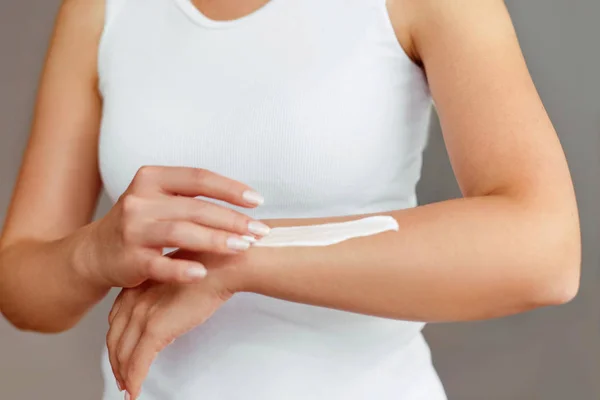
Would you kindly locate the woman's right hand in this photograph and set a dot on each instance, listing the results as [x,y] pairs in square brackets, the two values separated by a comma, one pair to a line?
[159,210]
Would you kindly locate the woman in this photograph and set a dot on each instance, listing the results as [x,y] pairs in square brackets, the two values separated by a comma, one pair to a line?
[186,111]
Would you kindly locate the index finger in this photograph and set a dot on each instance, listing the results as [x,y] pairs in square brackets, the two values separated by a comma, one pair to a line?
[194,182]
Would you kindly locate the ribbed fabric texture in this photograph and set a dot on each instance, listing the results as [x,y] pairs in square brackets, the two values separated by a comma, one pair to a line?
[315,105]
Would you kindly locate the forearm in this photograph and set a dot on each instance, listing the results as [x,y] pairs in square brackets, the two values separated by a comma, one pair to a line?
[41,286]
[462,259]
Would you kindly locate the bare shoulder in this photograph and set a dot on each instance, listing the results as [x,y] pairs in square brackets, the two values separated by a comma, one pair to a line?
[88,11]
[91,8]
[85,16]
[417,22]
[77,31]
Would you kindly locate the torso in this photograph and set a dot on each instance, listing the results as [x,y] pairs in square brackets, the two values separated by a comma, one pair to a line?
[314,104]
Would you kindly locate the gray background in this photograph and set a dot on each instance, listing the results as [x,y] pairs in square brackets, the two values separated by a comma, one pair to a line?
[551,354]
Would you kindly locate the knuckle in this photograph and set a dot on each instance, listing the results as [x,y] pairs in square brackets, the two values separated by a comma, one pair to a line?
[239,223]
[145,173]
[111,333]
[200,175]
[153,266]
[112,313]
[139,310]
[115,309]
[111,344]
[172,232]
[130,204]
[198,210]
[121,358]
[156,332]
[218,240]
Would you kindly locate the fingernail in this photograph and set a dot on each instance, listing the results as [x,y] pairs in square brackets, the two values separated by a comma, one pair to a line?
[249,239]
[258,228]
[196,272]
[252,197]
[235,243]
[119,386]
[127,396]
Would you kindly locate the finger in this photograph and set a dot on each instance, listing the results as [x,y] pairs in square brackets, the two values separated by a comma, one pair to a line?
[123,294]
[140,361]
[165,270]
[189,236]
[131,335]
[118,324]
[116,305]
[112,340]
[194,182]
[202,213]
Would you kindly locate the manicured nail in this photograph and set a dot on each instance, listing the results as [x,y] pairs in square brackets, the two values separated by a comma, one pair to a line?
[196,272]
[235,243]
[258,228]
[252,197]
[249,239]
[119,386]
[127,396]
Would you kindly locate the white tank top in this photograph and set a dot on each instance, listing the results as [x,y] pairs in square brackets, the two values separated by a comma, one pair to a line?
[314,104]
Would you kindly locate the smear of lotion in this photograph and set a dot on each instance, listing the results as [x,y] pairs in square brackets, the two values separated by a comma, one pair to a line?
[327,234]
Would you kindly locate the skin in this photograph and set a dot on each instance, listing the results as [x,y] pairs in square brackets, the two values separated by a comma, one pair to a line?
[510,245]
[46,222]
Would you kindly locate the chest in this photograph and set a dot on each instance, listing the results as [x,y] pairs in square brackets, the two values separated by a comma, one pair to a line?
[313,119]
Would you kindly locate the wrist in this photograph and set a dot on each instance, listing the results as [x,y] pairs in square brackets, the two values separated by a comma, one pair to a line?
[83,260]
[231,272]
[245,272]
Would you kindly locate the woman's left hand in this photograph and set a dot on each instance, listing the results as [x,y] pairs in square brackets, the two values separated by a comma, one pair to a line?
[146,319]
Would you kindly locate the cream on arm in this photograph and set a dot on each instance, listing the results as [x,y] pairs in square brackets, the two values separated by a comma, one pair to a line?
[327,234]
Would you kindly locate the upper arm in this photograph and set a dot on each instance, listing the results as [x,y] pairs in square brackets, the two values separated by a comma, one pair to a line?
[498,135]
[59,183]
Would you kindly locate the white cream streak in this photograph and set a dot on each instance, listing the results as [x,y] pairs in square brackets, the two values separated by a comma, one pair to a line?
[319,235]
[327,234]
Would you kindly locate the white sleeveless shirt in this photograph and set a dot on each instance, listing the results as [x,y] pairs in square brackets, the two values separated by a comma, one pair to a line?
[314,104]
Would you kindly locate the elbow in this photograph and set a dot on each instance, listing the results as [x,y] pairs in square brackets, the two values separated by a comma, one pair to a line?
[557,276]
[557,291]
[49,329]
[21,324]
[24,316]
[31,326]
